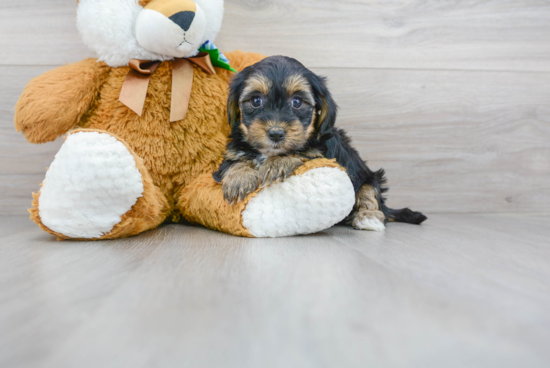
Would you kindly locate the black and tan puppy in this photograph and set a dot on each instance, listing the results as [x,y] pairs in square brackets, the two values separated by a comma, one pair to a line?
[282,115]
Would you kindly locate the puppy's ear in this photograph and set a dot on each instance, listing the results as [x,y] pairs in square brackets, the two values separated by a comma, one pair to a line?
[235,90]
[325,107]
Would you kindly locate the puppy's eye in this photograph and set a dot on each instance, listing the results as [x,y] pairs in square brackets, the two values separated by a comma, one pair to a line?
[256,102]
[297,102]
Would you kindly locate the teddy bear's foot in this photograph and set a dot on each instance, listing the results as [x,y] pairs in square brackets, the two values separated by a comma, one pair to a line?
[302,204]
[96,188]
[318,196]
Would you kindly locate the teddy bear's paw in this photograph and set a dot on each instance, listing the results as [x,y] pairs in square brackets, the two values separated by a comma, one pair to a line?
[302,204]
[92,182]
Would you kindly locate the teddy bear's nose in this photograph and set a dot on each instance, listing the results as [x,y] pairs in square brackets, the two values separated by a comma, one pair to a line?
[171,27]
[183,19]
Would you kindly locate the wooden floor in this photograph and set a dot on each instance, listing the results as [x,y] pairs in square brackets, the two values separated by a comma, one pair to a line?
[460,291]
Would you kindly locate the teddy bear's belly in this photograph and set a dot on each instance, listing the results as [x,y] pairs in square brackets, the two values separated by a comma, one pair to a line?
[174,153]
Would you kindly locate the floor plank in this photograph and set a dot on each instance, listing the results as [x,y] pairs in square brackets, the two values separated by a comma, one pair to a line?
[462,290]
[48,289]
[413,34]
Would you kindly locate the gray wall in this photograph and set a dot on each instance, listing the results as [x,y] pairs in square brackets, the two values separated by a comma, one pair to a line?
[452,98]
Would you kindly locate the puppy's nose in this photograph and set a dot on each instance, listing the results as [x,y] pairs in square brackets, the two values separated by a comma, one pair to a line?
[183,19]
[276,134]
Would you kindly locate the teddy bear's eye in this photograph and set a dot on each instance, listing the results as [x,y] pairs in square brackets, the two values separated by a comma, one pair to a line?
[256,101]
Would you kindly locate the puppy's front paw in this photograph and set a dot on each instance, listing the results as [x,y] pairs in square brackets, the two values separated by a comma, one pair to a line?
[368,220]
[278,168]
[239,182]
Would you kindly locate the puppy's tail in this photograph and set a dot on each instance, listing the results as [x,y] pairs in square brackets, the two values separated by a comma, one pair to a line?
[403,215]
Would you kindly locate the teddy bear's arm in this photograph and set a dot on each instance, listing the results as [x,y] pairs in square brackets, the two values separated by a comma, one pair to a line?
[54,102]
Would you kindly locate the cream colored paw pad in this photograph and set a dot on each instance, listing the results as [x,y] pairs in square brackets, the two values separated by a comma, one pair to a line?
[302,204]
[92,182]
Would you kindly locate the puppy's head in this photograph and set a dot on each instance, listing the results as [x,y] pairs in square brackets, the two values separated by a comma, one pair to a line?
[278,105]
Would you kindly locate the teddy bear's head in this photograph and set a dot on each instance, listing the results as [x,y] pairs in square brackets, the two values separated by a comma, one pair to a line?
[121,30]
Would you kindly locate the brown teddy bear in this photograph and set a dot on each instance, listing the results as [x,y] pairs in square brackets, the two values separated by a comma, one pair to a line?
[147,126]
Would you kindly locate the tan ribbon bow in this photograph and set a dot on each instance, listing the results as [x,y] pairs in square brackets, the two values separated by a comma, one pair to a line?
[134,89]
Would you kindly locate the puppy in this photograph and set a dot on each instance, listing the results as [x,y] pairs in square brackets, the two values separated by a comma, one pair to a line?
[282,115]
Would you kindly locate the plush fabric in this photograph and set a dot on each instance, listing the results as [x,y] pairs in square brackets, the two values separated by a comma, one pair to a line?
[173,153]
[108,27]
[56,101]
[93,161]
[317,196]
[119,174]
[150,23]
[83,187]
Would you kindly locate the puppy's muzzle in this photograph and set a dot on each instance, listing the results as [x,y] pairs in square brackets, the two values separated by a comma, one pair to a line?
[276,134]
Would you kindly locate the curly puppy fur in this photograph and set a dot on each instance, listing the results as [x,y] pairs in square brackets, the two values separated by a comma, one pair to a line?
[281,115]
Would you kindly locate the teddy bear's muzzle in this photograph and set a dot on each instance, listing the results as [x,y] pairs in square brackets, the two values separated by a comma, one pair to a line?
[171,27]
[183,19]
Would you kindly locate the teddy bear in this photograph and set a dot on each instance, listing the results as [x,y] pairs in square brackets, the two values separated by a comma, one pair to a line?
[145,126]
